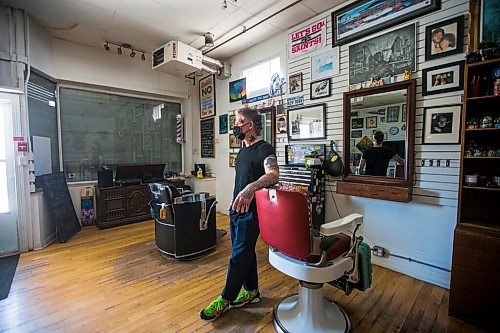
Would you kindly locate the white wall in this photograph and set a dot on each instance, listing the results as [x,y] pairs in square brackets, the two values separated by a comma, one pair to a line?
[421,229]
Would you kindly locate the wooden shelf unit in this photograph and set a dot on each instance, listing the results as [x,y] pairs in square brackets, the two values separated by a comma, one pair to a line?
[474,284]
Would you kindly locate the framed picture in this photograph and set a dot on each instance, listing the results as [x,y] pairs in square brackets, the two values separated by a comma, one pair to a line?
[307,123]
[281,124]
[444,78]
[320,89]
[442,125]
[357,123]
[371,122]
[392,114]
[356,134]
[295,82]
[325,64]
[397,53]
[223,124]
[238,90]
[365,17]
[207,97]
[444,38]
[404,113]
[232,159]
[232,120]
[234,142]
[489,22]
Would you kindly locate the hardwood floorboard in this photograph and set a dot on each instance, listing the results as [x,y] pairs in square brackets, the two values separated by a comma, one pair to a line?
[115,280]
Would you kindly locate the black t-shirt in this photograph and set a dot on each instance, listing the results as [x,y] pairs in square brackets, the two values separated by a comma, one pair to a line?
[250,165]
[377,160]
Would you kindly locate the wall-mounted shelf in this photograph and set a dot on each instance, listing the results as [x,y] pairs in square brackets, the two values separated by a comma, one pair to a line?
[482,188]
[483,97]
[481,157]
[483,129]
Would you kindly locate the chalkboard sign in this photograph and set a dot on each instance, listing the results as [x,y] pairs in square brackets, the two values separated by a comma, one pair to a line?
[207,135]
[62,211]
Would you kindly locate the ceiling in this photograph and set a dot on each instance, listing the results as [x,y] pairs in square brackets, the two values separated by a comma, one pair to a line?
[148,24]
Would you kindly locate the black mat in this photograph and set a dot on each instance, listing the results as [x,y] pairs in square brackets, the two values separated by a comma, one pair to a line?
[7,270]
[220,233]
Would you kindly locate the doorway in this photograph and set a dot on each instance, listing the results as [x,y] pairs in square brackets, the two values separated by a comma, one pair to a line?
[8,202]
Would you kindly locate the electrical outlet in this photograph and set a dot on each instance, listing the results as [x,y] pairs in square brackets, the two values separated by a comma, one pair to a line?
[379,251]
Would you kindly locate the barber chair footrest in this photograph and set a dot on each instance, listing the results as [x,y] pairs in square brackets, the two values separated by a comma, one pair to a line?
[309,311]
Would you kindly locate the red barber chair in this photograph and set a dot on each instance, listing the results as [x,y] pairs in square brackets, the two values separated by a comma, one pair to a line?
[313,257]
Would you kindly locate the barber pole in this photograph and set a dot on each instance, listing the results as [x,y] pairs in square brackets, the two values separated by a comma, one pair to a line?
[179,129]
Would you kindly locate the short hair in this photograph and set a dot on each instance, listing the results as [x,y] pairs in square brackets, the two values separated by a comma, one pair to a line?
[450,38]
[379,137]
[435,31]
[252,115]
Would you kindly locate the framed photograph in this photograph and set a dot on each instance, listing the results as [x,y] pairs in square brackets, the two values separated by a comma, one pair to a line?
[281,124]
[442,125]
[365,17]
[489,22]
[307,123]
[444,78]
[325,64]
[207,97]
[234,142]
[320,89]
[232,159]
[237,90]
[223,124]
[392,114]
[232,119]
[371,122]
[295,82]
[395,52]
[356,134]
[357,123]
[444,38]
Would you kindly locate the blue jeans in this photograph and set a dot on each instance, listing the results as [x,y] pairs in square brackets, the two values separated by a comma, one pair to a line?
[242,269]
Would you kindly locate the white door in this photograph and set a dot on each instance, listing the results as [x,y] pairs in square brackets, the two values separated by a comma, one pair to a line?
[8,207]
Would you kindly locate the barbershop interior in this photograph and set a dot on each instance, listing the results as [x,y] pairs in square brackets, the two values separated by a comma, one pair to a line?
[249,166]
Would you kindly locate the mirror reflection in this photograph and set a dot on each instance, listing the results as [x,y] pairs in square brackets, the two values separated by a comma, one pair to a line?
[378,134]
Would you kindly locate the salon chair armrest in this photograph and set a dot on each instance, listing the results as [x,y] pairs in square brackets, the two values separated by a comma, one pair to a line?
[341,225]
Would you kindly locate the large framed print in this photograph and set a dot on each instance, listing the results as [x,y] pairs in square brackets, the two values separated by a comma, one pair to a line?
[310,38]
[207,97]
[320,89]
[390,53]
[442,125]
[365,17]
[325,64]
[444,38]
[307,123]
[444,78]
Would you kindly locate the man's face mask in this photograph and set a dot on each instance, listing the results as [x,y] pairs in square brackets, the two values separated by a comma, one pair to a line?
[238,131]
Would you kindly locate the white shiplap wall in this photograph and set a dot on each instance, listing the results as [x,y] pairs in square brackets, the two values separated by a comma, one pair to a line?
[432,185]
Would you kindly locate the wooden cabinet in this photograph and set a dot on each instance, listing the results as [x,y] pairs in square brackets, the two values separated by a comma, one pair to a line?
[474,291]
[119,205]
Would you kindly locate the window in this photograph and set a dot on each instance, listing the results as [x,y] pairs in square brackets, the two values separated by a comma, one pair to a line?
[104,129]
[259,76]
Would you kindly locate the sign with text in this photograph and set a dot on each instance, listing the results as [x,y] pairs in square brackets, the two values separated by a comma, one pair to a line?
[207,97]
[295,101]
[307,39]
[207,136]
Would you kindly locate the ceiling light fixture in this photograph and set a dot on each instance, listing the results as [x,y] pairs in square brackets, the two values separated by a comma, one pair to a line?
[209,39]
[132,54]
[106,46]
[121,46]
[143,57]
[224,4]
[119,50]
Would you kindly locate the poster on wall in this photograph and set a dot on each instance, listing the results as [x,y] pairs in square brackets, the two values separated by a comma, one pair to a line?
[207,97]
[390,53]
[237,90]
[207,136]
[307,39]
[366,17]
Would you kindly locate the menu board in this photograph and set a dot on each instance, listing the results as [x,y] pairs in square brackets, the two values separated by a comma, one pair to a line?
[207,135]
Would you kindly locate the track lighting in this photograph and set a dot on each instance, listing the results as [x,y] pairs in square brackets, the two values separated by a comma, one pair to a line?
[224,4]
[132,54]
[121,46]
[209,39]
[106,46]
[119,50]
[143,57]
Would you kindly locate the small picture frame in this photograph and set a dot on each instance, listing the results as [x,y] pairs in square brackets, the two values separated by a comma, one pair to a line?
[281,124]
[356,134]
[325,65]
[443,78]
[371,122]
[232,120]
[357,123]
[444,38]
[392,114]
[442,125]
[295,83]
[223,124]
[232,159]
[320,89]
[234,142]
[404,113]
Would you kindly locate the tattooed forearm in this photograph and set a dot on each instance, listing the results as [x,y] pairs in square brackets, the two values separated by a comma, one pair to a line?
[266,180]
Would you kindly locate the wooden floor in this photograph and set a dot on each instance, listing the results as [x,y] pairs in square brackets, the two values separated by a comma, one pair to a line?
[115,280]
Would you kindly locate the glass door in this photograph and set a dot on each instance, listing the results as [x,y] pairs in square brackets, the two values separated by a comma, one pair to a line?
[8,207]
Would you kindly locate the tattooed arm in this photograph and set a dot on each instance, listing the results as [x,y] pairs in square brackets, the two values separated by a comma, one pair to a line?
[242,201]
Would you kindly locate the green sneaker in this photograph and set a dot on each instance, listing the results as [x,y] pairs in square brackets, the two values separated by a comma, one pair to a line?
[245,297]
[215,309]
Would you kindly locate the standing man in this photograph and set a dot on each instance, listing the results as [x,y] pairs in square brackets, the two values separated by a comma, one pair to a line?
[377,158]
[256,168]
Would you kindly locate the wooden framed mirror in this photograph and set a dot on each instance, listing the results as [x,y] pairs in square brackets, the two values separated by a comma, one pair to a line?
[379,141]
